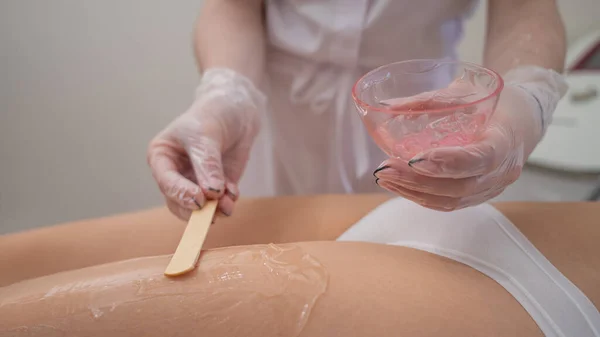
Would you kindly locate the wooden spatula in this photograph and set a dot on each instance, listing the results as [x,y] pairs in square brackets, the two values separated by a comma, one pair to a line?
[187,253]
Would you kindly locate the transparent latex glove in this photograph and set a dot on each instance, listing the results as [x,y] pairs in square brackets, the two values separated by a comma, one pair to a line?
[203,152]
[451,178]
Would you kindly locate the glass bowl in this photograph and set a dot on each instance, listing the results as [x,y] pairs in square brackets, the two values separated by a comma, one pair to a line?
[412,106]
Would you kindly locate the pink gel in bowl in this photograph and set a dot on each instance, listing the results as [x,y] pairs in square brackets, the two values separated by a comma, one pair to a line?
[411,106]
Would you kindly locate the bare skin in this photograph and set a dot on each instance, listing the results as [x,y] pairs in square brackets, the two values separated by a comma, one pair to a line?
[157,232]
[230,34]
[407,292]
[524,32]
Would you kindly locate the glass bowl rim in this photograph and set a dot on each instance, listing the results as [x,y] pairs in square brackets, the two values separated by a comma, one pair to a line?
[369,107]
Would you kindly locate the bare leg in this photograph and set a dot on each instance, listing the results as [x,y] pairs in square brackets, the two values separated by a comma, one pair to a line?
[156,232]
[406,292]
[314,289]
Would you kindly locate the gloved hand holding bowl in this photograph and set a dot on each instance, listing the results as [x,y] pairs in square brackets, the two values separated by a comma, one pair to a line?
[450,134]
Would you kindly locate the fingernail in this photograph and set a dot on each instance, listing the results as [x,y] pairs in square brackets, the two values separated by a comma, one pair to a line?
[386,186]
[414,161]
[197,204]
[377,181]
[380,169]
[216,190]
[425,166]
[231,190]
[232,195]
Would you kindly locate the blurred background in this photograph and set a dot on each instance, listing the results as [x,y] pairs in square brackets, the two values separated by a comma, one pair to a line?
[85,85]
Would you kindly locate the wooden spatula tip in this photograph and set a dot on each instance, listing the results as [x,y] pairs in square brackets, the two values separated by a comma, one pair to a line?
[186,256]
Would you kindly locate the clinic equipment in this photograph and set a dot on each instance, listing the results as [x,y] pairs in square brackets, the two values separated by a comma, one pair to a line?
[188,251]
[411,106]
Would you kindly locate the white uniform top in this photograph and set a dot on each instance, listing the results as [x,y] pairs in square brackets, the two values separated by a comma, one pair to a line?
[312,140]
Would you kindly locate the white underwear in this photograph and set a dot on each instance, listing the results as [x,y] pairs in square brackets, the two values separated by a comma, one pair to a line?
[482,238]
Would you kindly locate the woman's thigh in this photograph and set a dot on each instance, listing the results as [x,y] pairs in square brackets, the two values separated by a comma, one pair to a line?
[312,288]
[155,232]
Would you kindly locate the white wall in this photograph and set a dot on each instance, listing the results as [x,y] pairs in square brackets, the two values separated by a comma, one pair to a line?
[84,85]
